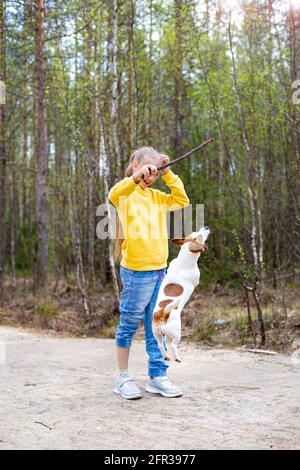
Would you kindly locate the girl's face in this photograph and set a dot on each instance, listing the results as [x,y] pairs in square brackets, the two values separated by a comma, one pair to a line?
[153,159]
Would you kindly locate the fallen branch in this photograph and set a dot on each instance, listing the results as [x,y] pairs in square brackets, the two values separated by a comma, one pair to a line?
[258,351]
[42,424]
[279,277]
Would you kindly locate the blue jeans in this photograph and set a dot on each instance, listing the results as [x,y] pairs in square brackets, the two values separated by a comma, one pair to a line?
[137,302]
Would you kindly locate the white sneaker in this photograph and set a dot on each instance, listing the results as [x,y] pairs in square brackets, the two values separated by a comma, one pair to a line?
[127,388]
[164,387]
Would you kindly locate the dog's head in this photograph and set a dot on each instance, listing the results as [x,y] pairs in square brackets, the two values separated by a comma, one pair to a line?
[196,241]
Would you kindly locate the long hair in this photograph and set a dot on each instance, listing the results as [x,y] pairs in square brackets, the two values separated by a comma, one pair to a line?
[138,155]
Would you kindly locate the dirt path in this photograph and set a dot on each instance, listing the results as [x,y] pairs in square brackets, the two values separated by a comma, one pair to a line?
[57,394]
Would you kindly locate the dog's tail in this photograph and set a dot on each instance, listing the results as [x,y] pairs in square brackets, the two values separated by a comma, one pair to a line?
[172,305]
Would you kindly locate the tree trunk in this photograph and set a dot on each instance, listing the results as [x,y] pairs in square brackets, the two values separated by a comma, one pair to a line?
[251,181]
[130,77]
[221,151]
[2,136]
[177,133]
[114,90]
[42,155]
[293,150]
[75,230]
[104,153]
[91,164]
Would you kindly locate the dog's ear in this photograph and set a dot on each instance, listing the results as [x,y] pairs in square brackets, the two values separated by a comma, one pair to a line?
[178,241]
[205,248]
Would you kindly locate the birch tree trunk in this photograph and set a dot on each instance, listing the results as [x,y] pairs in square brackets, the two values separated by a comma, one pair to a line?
[252,193]
[42,154]
[104,154]
[75,230]
[221,151]
[130,78]
[107,177]
[91,164]
[177,133]
[114,89]
[271,170]
[294,134]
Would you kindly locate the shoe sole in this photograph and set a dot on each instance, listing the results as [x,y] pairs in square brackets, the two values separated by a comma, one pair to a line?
[133,397]
[164,394]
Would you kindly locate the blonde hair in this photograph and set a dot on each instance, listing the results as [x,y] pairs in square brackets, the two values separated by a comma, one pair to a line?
[138,155]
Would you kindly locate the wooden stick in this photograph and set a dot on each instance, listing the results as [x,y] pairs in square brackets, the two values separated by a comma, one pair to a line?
[258,351]
[172,162]
[186,154]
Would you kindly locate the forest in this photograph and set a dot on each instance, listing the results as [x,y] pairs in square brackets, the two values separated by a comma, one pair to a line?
[83,83]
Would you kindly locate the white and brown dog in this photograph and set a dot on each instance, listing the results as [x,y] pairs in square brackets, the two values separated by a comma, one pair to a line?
[182,277]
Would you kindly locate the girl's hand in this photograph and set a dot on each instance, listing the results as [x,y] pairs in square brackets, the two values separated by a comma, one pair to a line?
[165,159]
[147,172]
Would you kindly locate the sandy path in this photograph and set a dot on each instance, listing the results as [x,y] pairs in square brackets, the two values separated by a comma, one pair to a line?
[232,399]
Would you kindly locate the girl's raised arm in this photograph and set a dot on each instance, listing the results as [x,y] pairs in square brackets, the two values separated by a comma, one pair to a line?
[178,197]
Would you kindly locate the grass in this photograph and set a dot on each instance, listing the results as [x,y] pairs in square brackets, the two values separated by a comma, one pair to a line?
[47,310]
[205,332]
[241,327]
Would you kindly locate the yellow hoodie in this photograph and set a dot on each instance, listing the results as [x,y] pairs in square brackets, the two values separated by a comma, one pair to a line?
[143,215]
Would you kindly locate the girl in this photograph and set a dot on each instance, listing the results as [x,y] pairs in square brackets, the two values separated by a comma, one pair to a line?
[142,212]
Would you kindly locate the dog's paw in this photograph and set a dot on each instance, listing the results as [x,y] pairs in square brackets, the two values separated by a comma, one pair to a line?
[178,359]
[167,358]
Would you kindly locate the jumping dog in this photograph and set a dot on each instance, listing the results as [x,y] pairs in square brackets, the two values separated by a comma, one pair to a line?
[182,276]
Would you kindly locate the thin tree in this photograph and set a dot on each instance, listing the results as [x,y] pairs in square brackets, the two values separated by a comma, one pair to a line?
[42,151]
[2,135]
[177,97]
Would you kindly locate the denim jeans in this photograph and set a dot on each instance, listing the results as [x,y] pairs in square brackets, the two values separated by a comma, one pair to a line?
[137,302]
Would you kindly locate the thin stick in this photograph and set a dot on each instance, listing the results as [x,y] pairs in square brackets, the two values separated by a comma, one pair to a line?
[186,154]
[258,351]
[201,146]
[45,425]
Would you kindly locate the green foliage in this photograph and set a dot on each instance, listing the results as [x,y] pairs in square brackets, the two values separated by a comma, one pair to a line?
[218,95]
[242,328]
[205,332]
[47,309]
